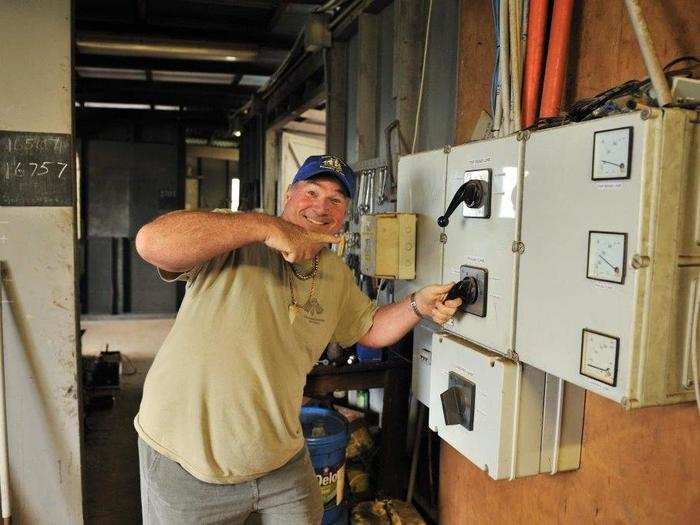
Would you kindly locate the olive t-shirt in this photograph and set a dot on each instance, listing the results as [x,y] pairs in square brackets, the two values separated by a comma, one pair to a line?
[223,395]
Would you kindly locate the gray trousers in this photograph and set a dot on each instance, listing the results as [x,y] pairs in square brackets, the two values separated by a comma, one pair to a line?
[170,495]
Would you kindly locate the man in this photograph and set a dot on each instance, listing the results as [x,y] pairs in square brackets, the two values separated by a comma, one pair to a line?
[219,433]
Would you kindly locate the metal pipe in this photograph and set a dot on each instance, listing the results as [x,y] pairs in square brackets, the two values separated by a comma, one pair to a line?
[557,435]
[651,59]
[557,55]
[96,44]
[516,423]
[416,449]
[422,78]
[534,60]
[5,501]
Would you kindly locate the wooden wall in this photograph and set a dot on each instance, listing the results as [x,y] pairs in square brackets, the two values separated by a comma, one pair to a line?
[636,467]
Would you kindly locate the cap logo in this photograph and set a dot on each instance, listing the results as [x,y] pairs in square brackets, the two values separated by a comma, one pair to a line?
[332,163]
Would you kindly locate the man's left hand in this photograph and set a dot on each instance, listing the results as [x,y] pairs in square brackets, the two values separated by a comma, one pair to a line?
[431,302]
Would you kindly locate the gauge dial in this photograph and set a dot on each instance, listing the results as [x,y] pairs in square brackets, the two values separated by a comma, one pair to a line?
[612,154]
[607,254]
[599,356]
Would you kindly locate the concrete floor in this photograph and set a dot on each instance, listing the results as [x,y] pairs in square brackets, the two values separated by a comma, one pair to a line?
[111,457]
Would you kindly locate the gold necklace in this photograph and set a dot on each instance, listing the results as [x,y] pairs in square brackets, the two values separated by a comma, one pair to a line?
[307,276]
[294,307]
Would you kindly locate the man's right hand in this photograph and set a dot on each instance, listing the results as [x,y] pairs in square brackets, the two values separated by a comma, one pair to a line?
[295,243]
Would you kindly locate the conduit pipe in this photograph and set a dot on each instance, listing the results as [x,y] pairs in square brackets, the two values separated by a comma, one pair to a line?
[516,423]
[515,63]
[557,436]
[4,456]
[503,62]
[557,55]
[534,60]
[651,59]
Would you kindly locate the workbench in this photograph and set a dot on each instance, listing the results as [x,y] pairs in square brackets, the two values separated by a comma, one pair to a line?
[394,376]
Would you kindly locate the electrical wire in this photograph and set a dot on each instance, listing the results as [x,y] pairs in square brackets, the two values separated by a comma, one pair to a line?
[422,78]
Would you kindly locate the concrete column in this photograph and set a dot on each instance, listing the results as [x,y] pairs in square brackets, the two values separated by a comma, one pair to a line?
[37,247]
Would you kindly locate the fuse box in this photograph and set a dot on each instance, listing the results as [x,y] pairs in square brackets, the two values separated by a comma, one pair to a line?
[388,245]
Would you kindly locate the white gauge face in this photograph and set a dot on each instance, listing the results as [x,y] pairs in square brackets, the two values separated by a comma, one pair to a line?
[599,356]
[607,256]
[611,154]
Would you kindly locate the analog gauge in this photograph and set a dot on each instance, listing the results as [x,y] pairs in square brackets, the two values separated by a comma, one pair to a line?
[607,255]
[599,356]
[612,154]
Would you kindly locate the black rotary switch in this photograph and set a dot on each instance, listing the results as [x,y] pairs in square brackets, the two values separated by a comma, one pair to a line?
[467,289]
[471,193]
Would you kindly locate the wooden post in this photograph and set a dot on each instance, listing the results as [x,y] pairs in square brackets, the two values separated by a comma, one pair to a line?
[337,101]
[367,93]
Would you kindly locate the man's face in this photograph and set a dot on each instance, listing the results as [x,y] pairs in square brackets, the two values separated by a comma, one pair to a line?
[317,205]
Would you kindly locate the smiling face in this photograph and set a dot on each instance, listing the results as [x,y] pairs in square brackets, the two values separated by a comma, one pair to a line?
[317,205]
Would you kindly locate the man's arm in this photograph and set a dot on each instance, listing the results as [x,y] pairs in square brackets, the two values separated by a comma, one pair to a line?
[393,321]
[179,241]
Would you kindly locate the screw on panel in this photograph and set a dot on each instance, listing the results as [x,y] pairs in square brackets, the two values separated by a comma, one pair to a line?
[640,261]
[645,114]
[513,356]
[443,238]
[522,135]
[518,247]
[447,148]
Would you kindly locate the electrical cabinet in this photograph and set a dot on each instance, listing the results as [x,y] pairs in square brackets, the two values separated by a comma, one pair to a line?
[486,407]
[388,245]
[421,190]
[608,294]
[482,180]
[576,249]
[422,360]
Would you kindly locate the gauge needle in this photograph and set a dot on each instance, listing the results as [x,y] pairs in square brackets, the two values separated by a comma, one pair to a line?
[606,370]
[611,266]
[613,163]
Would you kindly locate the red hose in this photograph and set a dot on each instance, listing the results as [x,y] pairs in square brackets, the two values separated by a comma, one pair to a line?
[557,54]
[534,60]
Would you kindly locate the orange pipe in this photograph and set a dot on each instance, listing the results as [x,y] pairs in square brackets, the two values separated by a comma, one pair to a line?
[557,55]
[534,60]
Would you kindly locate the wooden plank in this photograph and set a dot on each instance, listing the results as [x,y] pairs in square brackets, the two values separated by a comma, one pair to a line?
[367,88]
[337,102]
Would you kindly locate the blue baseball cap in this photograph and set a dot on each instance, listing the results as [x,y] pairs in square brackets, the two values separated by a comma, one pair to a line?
[327,165]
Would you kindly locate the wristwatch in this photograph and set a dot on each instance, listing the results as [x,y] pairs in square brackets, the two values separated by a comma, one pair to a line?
[414,306]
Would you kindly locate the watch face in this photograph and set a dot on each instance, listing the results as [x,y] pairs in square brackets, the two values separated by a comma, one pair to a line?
[612,154]
[599,355]
[607,256]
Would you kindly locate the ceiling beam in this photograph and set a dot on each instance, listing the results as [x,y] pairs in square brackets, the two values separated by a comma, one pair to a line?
[164,64]
[167,93]
[222,32]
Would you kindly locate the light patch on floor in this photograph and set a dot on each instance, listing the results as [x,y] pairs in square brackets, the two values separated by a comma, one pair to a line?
[111,456]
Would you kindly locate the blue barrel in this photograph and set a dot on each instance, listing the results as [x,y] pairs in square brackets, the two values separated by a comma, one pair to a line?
[326,433]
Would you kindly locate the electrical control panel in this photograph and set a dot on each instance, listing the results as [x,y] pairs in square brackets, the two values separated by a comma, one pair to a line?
[388,245]
[487,407]
[421,190]
[422,361]
[480,227]
[608,278]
